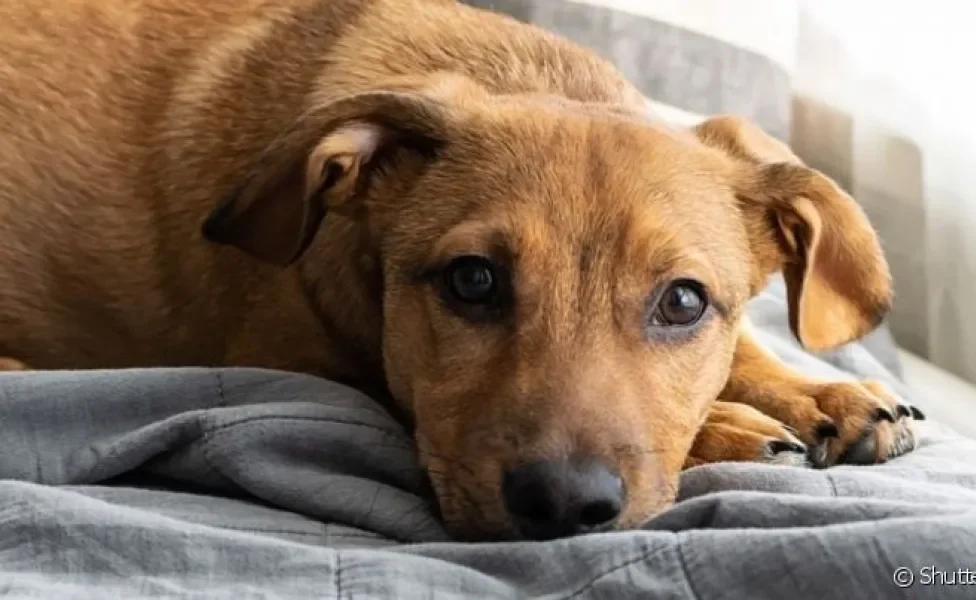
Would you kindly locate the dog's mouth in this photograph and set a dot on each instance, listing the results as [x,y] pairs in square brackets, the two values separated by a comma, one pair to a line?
[494,496]
[467,503]
[539,501]
[467,515]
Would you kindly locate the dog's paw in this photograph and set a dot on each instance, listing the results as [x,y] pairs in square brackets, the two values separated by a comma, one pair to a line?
[852,422]
[739,433]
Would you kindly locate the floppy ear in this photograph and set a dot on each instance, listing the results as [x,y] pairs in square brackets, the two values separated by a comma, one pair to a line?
[322,163]
[837,279]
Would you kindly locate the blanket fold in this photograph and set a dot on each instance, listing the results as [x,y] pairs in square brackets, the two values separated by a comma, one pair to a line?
[238,483]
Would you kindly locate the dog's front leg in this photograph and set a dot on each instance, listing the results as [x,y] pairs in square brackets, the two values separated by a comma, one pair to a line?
[840,421]
[735,432]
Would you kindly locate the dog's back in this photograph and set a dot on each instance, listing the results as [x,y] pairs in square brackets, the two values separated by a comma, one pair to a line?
[122,124]
[100,263]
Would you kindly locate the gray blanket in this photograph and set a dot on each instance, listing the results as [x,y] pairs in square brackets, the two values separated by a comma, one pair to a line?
[249,483]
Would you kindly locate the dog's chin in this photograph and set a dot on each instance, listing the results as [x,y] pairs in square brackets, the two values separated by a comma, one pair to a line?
[476,534]
[467,520]
[473,529]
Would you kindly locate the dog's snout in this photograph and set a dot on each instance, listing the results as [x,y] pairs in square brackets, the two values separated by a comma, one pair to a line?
[552,499]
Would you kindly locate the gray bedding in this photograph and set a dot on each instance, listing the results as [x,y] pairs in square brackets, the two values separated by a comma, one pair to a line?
[249,483]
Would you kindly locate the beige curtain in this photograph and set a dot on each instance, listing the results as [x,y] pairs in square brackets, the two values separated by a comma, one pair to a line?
[885,97]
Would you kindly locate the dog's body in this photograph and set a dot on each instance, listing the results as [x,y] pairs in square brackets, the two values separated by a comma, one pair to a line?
[114,153]
[123,125]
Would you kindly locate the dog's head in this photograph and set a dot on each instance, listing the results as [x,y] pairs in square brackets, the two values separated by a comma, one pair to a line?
[561,283]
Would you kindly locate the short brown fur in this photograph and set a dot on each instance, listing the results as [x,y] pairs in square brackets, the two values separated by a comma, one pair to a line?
[342,152]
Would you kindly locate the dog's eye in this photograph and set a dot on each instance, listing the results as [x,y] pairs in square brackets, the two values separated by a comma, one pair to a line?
[683,303]
[472,280]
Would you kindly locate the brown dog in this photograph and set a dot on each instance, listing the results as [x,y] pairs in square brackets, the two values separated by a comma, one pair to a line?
[415,196]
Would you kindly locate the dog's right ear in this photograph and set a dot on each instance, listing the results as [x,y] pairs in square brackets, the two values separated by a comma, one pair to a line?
[323,162]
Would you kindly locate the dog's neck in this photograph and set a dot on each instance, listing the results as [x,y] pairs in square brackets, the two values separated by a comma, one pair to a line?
[448,36]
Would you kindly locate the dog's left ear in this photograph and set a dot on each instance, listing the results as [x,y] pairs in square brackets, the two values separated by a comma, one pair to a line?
[321,164]
[800,222]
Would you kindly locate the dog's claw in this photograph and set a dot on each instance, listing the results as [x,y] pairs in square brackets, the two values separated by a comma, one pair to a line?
[903,411]
[917,414]
[777,446]
[818,456]
[826,429]
[883,414]
[861,452]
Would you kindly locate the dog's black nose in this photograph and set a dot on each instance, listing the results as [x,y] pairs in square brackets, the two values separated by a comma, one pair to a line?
[554,499]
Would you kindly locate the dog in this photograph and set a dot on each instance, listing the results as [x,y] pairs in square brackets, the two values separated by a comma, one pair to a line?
[441,206]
